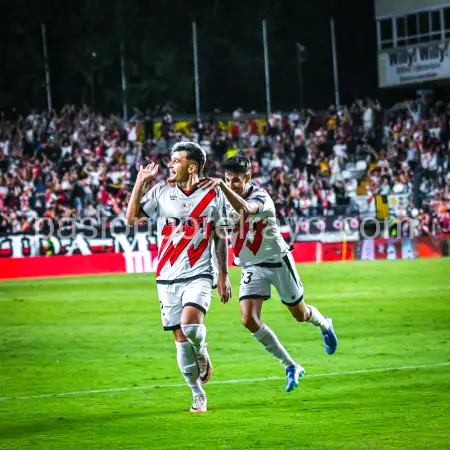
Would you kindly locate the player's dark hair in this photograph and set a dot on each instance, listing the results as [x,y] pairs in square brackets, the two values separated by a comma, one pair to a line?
[237,164]
[193,152]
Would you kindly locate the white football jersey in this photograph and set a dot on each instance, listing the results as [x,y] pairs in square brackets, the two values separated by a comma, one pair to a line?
[185,223]
[257,238]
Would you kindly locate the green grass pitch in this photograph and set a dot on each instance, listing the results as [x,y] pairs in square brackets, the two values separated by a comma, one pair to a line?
[387,387]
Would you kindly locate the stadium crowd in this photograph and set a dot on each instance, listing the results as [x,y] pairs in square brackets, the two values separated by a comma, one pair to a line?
[77,163]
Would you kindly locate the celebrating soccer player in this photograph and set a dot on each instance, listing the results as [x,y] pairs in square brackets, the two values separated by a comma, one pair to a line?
[266,260]
[184,274]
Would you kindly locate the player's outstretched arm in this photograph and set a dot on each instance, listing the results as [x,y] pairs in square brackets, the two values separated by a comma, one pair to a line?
[246,207]
[144,175]
[223,282]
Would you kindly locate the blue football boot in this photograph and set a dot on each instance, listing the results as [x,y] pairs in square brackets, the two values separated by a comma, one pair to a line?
[329,338]
[293,374]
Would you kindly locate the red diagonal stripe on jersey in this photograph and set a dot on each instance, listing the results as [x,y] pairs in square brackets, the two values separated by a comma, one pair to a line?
[255,245]
[166,233]
[259,228]
[172,253]
[195,254]
[241,236]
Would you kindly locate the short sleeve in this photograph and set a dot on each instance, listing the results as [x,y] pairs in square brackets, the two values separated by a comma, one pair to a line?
[262,199]
[149,202]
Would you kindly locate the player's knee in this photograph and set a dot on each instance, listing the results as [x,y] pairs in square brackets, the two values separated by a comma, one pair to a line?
[250,322]
[179,336]
[300,315]
[192,331]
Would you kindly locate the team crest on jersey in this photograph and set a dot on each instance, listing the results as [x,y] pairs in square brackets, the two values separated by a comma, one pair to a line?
[234,215]
[186,206]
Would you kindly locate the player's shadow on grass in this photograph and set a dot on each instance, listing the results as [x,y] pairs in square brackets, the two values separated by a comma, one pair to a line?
[66,424]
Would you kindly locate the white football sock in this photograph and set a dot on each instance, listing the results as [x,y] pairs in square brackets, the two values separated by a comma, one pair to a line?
[317,319]
[196,335]
[271,343]
[187,362]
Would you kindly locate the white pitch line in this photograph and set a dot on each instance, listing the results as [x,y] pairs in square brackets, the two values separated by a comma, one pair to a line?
[244,380]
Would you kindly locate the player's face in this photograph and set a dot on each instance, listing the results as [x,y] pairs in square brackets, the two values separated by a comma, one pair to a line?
[179,168]
[237,182]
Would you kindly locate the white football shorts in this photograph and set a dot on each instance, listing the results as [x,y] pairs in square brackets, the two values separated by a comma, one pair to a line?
[174,297]
[257,281]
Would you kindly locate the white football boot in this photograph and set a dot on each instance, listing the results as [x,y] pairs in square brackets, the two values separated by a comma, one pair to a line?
[204,365]
[199,404]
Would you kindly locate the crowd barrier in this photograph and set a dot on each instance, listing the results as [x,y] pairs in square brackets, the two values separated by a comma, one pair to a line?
[145,261]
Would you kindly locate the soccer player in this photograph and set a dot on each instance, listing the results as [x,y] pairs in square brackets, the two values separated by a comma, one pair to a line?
[266,260]
[185,222]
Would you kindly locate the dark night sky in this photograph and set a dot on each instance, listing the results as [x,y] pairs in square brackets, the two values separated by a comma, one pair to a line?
[230,48]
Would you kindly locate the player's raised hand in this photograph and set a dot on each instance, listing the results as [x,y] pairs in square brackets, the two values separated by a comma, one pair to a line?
[224,288]
[147,173]
[209,182]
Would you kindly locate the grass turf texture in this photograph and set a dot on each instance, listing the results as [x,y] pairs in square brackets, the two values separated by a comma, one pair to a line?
[80,334]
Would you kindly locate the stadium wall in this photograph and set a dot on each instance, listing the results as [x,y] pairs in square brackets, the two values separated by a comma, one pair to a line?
[389,8]
[145,262]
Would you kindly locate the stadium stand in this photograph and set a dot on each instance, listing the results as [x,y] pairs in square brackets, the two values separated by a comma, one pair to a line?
[78,163]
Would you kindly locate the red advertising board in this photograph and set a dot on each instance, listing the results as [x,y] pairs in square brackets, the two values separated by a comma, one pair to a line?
[48,266]
[306,252]
[102,263]
[145,261]
[337,251]
[433,247]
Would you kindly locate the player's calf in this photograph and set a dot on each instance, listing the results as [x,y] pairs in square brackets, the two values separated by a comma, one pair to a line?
[308,313]
[251,313]
[268,339]
[189,368]
[300,312]
[252,323]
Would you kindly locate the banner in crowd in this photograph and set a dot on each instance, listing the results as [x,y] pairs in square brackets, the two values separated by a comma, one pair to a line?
[369,206]
[313,228]
[372,249]
[414,64]
[21,244]
[185,127]
[397,248]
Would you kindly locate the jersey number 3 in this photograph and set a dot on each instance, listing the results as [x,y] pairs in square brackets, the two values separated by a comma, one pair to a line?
[248,277]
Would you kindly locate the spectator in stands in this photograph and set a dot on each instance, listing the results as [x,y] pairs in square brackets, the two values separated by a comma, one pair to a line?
[78,162]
